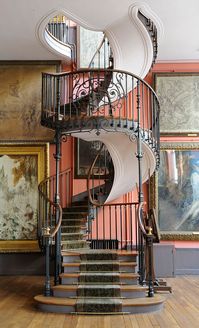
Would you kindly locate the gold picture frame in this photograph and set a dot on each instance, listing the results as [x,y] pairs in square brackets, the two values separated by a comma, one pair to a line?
[20,100]
[175,191]
[22,168]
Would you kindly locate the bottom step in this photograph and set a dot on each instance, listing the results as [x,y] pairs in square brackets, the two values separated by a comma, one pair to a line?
[90,305]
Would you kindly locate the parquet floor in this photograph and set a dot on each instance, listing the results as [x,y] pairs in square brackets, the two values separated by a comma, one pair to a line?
[18,310]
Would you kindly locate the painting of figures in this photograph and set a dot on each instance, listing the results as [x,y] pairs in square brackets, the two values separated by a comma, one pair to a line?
[178,189]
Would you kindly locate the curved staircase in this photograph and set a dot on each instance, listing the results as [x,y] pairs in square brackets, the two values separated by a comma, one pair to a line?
[121,111]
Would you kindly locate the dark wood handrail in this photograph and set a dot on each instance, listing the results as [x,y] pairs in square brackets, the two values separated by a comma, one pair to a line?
[140,223]
[91,200]
[52,203]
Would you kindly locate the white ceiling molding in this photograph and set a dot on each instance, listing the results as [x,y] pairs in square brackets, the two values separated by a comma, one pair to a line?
[52,45]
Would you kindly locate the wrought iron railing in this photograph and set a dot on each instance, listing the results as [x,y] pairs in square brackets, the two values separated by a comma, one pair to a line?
[116,225]
[152,30]
[110,100]
[145,249]
[50,219]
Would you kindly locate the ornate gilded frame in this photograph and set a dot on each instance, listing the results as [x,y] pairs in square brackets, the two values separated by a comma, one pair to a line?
[17,152]
[188,153]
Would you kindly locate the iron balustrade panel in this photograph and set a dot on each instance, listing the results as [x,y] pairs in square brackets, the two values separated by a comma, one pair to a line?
[114,226]
[100,99]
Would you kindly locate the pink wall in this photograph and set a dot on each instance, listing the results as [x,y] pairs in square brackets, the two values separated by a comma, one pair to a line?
[169,67]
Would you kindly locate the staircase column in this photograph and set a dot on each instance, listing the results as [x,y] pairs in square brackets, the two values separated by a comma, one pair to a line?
[140,192]
[57,157]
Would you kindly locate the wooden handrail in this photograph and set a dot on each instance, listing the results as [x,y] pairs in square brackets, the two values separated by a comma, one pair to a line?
[91,200]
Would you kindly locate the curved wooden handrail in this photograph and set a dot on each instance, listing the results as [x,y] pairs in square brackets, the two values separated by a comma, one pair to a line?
[91,200]
[140,223]
[97,51]
[56,206]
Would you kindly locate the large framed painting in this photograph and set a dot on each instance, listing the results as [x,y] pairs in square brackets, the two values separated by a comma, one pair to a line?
[177,187]
[20,100]
[22,167]
[85,153]
[179,98]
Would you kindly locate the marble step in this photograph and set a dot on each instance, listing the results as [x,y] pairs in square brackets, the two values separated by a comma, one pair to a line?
[89,306]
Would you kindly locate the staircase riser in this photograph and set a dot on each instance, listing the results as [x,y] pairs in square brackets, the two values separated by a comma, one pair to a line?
[127,258]
[94,268]
[56,308]
[100,308]
[142,309]
[88,293]
[75,245]
[70,222]
[133,294]
[77,229]
[71,237]
[68,293]
[70,259]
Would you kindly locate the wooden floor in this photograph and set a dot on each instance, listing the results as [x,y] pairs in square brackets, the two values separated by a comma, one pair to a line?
[18,310]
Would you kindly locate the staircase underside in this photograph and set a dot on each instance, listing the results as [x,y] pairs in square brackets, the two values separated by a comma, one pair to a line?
[122,146]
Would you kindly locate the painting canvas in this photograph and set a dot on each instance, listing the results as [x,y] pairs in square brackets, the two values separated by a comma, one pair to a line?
[179,102]
[18,196]
[21,169]
[178,189]
[85,153]
[20,101]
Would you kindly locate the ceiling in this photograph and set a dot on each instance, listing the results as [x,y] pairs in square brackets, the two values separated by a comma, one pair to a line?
[19,21]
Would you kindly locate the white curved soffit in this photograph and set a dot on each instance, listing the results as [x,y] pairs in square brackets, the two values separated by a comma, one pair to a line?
[130,41]
[123,154]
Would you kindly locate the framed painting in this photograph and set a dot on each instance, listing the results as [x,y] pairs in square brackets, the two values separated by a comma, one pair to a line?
[85,153]
[22,167]
[20,100]
[179,98]
[177,191]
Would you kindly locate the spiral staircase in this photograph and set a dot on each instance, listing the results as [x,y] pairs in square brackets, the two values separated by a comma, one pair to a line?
[120,111]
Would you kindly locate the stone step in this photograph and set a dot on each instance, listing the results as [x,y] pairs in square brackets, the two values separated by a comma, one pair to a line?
[99,290]
[73,244]
[73,229]
[99,266]
[72,222]
[103,305]
[99,277]
[79,254]
[67,236]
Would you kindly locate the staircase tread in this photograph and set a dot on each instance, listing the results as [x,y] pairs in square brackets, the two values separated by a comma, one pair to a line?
[99,262]
[102,273]
[52,300]
[147,301]
[143,301]
[98,251]
[103,286]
